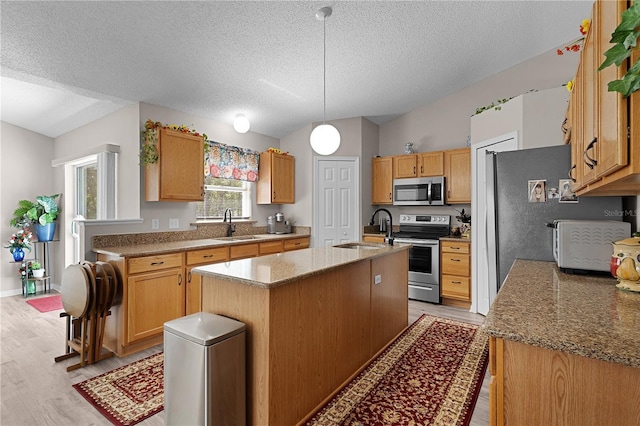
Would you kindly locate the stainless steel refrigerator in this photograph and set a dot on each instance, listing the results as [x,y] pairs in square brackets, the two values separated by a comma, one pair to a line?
[517,215]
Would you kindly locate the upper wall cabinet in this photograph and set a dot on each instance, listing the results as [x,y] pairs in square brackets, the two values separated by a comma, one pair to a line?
[178,175]
[457,173]
[382,180]
[605,127]
[418,165]
[276,179]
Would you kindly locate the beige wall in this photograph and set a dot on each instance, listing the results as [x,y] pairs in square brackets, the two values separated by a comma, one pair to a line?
[25,172]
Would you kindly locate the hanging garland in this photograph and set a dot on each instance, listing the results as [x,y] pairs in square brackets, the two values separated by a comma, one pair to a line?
[149,149]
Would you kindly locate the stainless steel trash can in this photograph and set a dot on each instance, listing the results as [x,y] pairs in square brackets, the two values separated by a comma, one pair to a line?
[204,371]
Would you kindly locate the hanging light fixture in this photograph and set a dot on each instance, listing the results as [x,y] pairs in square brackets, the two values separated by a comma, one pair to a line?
[324,139]
[241,124]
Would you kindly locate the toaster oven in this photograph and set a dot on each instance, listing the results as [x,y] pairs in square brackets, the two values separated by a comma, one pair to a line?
[586,245]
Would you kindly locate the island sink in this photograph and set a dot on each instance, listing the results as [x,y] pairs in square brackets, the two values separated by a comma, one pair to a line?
[362,246]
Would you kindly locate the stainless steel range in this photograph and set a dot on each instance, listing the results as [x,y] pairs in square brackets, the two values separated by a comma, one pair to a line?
[423,232]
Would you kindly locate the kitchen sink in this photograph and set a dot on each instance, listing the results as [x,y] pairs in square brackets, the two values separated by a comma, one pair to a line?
[362,246]
[238,238]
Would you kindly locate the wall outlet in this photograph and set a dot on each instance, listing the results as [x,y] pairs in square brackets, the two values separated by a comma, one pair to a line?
[377,279]
[174,223]
[155,223]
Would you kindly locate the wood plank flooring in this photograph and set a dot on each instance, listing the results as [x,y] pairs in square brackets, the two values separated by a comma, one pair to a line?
[35,390]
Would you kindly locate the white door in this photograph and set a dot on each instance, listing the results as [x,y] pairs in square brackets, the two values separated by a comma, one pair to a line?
[336,201]
[483,238]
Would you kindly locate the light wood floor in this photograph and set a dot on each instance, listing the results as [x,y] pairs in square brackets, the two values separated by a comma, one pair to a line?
[35,390]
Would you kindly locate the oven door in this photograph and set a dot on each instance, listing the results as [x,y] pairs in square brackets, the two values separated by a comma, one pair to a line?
[424,261]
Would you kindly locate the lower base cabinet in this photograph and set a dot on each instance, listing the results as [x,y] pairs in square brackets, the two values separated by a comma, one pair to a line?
[531,385]
[455,273]
[160,288]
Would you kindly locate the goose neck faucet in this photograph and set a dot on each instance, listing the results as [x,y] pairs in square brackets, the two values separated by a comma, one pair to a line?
[389,237]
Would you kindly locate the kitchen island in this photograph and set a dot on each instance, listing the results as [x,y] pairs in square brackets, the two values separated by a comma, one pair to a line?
[313,318]
[564,349]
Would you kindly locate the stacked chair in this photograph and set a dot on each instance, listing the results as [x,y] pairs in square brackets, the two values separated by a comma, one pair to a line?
[88,292]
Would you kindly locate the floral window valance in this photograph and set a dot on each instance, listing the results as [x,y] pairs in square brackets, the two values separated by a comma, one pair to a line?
[231,162]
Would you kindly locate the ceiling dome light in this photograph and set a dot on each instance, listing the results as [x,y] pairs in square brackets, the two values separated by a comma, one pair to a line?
[324,139]
[241,124]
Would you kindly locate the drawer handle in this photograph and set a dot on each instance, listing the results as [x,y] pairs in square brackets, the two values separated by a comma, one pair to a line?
[207,256]
[454,248]
[456,282]
[297,244]
[455,260]
[157,263]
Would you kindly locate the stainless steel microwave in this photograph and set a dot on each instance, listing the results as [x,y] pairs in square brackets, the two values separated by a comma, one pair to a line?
[424,191]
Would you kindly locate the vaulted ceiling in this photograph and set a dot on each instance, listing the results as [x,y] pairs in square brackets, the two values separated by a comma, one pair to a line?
[64,64]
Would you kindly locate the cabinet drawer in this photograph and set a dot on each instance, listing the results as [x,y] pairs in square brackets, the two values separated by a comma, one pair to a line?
[372,239]
[455,264]
[154,263]
[243,250]
[454,247]
[269,247]
[296,243]
[455,287]
[210,255]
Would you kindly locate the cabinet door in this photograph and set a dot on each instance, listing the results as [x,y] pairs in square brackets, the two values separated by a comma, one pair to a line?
[179,173]
[153,299]
[193,296]
[457,172]
[456,287]
[405,166]
[589,99]
[276,179]
[432,164]
[382,180]
[611,106]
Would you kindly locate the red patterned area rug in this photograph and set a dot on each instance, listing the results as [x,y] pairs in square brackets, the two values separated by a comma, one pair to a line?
[129,394]
[47,304]
[430,375]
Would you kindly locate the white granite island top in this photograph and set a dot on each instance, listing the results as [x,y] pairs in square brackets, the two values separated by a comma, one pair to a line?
[281,268]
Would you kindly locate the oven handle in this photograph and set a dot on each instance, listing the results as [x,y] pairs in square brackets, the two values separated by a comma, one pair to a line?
[417,244]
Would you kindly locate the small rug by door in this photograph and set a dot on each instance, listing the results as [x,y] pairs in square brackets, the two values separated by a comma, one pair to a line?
[129,394]
[430,375]
[47,304]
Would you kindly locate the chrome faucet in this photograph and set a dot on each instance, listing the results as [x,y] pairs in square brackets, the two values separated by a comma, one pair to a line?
[230,228]
[389,237]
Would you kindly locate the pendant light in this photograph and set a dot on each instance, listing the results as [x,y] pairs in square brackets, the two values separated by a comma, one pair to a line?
[324,139]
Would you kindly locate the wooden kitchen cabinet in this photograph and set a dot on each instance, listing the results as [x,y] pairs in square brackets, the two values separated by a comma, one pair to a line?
[155,294]
[243,251]
[455,273]
[270,247]
[178,174]
[296,243]
[276,176]
[431,163]
[193,297]
[382,180]
[457,173]
[606,143]
[405,166]
[531,385]
[373,239]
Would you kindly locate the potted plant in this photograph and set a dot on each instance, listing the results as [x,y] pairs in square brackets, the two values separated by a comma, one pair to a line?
[42,213]
[36,269]
[18,242]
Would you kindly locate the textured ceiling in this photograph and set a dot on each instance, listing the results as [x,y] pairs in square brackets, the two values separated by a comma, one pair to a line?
[64,64]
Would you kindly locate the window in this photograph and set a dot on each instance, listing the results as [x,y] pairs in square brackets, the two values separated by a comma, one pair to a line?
[95,187]
[220,194]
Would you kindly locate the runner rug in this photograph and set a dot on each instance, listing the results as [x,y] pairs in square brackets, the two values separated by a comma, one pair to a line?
[129,394]
[47,304]
[430,375]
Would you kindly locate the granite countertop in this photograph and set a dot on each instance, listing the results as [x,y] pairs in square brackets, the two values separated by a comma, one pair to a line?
[136,250]
[578,314]
[277,269]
